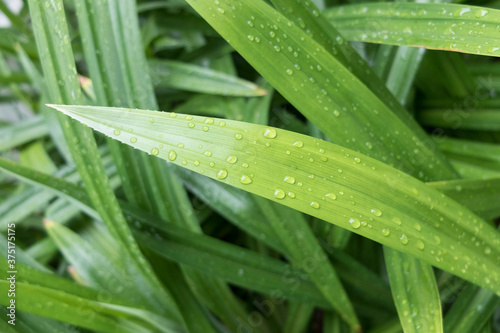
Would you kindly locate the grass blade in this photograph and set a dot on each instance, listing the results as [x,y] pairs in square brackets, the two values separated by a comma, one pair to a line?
[449,27]
[333,168]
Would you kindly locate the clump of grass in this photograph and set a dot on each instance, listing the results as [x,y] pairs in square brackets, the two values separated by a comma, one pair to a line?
[316,166]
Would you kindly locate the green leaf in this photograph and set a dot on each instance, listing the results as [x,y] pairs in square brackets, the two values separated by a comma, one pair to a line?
[22,132]
[184,76]
[52,37]
[321,87]
[317,178]
[481,120]
[420,309]
[449,27]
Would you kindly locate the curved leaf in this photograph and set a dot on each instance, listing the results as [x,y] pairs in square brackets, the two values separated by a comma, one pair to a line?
[449,27]
[318,178]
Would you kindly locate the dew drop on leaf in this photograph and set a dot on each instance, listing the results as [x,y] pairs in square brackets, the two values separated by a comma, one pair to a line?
[279,193]
[133,140]
[231,159]
[207,153]
[245,180]
[403,239]
[298,144]
[154,151]
[376,212]
[117,132]
[172,155]
[270,133]
[331,196]
[222,174]
[314,205]
[289,180]
[386,232]
[420,245]
[355,223]
[238,136]
[291,195]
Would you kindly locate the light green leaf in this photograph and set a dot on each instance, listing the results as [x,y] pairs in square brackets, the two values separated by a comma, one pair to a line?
[184,76]
[449,27]
[318,178]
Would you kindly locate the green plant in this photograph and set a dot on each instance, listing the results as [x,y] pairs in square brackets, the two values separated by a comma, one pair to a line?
[360,195]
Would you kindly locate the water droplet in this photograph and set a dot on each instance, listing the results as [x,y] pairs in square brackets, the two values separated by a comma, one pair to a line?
[238,136]
[277,48]
[221,10]
[279,193]
[270,133]
[396,220]
[154,151]
[173,114]
[357,160]
[205,128]
[133,139]
[189,117]
[117,132]
[191,125]
[420,245]
[291,195]
[376,212]
[222,174]
[298,144]
[331,196]
[289,71]
[245,180]
[314,205]
[355,223]
[209,121]
[196,163]
[222,123]
[245,165]
[272,34]
[417,227]
[151,120]
[289,180]
[311,175]
[212,164]
[172,155]
[207,153]
[403,239]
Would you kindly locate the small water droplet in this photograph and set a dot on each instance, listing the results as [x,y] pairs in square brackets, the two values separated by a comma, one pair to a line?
[314,205]
[117,132]
[207,153]
[298,144]
[196,163]
[231,159]
[172,155]
[417,227]
[291,195]
[238,136]
[191,125]
[205,128]
[133,139]
[289,180]
[396,220]
[420,245]
[245,180]
[151,120]
[173,114]
[209,121]
[222,174]
[222,123]
[376,212]
[279,193]
[154,151]
[357,160]
[270,133]
[289,71]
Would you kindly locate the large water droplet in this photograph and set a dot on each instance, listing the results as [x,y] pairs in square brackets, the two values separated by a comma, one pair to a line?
[298,144]
[279,193]
[270,133]
[403,239]
[222,174]
[289,180]
[172,155]
[231,159]
[245,180]
[386,232]
[376,212]
[355,223]
[331,196]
